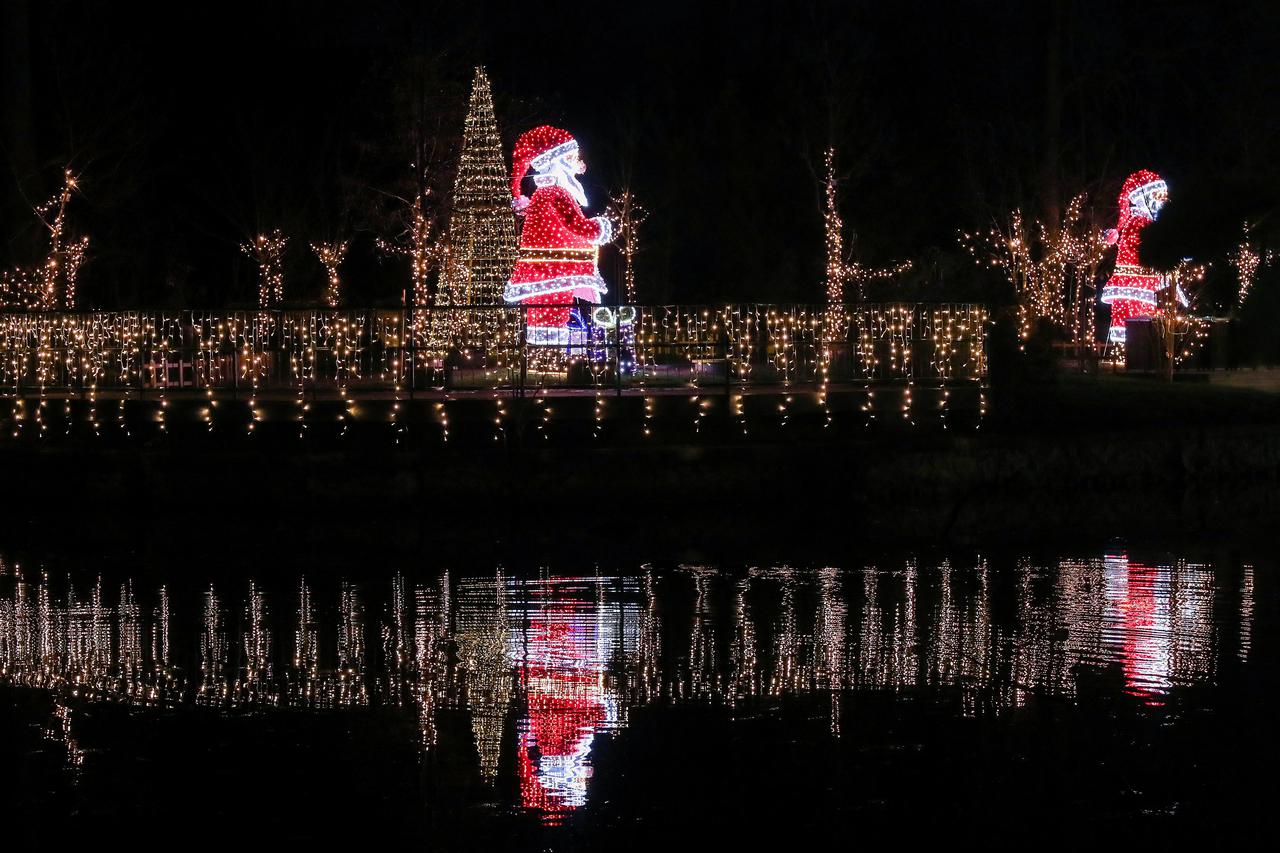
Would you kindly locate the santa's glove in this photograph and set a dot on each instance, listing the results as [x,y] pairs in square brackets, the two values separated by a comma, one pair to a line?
[1111,236]
[606,230]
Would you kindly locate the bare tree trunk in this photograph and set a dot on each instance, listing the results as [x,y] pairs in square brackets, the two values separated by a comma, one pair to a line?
[1051,165]
[15,109]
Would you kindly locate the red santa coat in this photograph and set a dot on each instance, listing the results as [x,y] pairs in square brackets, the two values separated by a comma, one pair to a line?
[1131,290]
[558,248]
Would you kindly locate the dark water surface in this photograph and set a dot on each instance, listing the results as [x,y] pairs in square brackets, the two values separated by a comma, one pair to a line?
[1100,698]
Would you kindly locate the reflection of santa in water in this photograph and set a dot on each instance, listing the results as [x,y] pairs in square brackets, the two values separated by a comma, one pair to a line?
[1131,290]
[1138,624]
[558,244]
[562,676]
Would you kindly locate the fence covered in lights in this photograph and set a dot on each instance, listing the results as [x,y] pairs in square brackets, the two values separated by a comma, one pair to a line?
[389,352]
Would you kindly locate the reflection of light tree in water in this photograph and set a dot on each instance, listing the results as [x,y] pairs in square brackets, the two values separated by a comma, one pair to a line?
[744,678]
[703,681]
[486,664]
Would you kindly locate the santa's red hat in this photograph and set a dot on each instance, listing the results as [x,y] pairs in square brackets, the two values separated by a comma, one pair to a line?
[538,149]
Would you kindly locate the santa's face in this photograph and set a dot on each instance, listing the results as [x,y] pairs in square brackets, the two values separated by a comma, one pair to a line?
[1147,200]
[564,171]
[1156,200]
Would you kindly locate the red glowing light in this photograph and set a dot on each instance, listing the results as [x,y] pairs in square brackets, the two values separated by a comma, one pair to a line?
[566,701]
[1131,290]
[558,243]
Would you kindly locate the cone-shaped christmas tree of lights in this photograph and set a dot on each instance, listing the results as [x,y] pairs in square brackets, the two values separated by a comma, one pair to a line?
[482,230]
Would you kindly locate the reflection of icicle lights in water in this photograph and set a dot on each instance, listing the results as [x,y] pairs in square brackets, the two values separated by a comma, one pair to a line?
[1246,613]
[569,657]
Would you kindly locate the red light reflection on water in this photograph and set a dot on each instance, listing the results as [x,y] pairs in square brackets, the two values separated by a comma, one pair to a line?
[561,656]
[1138,624]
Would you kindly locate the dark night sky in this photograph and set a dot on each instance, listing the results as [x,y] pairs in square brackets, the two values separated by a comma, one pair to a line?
[194,127]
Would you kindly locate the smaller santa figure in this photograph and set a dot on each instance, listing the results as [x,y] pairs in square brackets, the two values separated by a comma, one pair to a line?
[558,243]
[1131,290]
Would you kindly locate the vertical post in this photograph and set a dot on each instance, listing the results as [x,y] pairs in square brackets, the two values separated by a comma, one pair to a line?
[142,382]
[728,375]
[407,349]
[84,323]
[522,343]
[235,366]
[278,353]
[20,378]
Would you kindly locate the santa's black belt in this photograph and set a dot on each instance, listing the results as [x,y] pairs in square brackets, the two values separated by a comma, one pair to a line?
[557,254]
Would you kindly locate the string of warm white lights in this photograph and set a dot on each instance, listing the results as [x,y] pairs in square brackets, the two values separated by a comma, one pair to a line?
[1181,291]
[1245,258]
[52,285]
[425,253]
[842,267]
[303,355]
[331,256]
[267,251]
[629,216]
[1051,266]
[481,234]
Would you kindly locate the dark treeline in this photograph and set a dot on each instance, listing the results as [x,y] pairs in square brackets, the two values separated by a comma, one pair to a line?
[195,127]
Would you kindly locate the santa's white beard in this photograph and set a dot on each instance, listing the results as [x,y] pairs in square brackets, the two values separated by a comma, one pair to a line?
[560,175]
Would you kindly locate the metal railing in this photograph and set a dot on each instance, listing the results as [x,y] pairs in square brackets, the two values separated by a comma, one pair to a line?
[483,349]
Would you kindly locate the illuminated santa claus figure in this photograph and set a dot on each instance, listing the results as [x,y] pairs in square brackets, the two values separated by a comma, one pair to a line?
[1131,290]
[558,243]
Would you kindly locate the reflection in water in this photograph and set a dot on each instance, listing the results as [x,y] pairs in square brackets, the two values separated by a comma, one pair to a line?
[1152,619]
[59,731]
[541,667]
[213,653]
[565,634]
[486,663]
